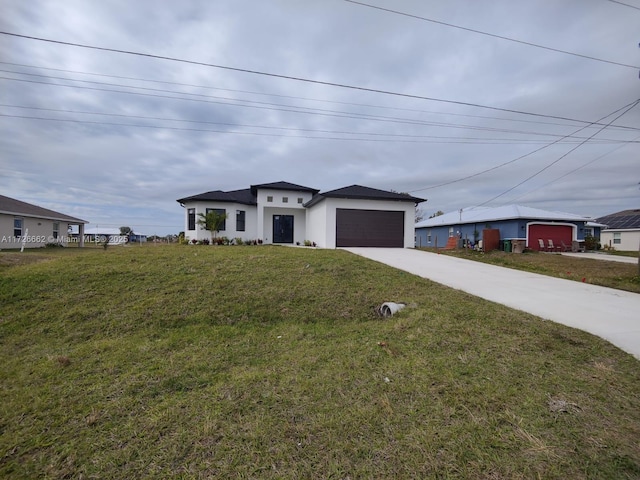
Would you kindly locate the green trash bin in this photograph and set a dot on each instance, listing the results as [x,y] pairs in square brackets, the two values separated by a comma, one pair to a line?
[507,245]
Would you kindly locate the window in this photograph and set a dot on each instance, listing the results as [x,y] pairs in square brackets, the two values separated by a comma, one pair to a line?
[17,227]
[588,232]
[428,236]
[617,238]
[219,211]
[300,200]
[191,219]
[285,199]
[240,215]
[269,199]
[56,229]
[450,232]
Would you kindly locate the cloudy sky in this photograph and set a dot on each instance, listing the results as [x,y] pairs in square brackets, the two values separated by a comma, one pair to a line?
[480,114]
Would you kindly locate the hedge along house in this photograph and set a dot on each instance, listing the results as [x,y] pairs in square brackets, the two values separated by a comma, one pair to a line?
[513,222]
[26,225]
[622,230]
[285,213]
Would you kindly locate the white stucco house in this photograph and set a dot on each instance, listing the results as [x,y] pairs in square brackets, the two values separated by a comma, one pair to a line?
[622,230]
[285,213]
[26,225]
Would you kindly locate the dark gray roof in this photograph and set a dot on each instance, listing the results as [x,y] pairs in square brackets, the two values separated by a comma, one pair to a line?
[624,220]
[16,207]
[364,193]
[283,186]
[244,196]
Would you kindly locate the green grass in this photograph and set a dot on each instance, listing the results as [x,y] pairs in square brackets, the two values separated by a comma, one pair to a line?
[267,362]
[621,276]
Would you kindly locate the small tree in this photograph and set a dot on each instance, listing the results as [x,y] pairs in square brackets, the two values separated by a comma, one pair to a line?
[126,231]
[212,221]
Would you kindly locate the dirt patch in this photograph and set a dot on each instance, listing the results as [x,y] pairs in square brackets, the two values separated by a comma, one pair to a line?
[15,259]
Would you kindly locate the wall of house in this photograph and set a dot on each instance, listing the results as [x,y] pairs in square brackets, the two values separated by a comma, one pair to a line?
[629,239]
[299,223]
[281,202]
[515,229]
[317,227]
[230,231]
[325,217]
[37,232]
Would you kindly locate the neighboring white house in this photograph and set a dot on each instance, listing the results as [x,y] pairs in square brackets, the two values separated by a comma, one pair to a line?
[26,225]
[623,230]
[285,213]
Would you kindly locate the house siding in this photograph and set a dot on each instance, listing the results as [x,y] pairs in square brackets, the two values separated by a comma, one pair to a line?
[323,216]
[277,206]
[513,229]
[199,233]
[38,232]
[629,239]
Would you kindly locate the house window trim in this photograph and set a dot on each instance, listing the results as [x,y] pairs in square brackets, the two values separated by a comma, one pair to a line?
[617,238]
[17,230]
[191,219]
[241,220]
[56,230]
[221,211]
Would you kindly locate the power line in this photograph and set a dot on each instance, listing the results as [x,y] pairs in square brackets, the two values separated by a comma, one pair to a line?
[501,37]
[287,77]
[572,171]
[625,4]
[626,107]
[395,138]
[631,105]
[269,106]
[271,94]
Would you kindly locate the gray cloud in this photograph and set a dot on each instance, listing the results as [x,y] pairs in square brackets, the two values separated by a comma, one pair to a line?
[124,169]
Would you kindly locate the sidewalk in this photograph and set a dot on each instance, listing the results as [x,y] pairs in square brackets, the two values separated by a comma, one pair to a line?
[603,256]
[608,313]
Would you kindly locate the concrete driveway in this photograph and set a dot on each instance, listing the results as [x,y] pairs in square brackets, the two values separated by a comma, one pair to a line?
[608,313]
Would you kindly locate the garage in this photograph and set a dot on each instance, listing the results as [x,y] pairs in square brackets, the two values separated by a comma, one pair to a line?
[369,228]
[559,234]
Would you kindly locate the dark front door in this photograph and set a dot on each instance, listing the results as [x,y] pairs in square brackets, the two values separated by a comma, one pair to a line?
[283,229]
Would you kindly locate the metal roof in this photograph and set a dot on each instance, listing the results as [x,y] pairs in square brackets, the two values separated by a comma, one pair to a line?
[492,214]
[11,206]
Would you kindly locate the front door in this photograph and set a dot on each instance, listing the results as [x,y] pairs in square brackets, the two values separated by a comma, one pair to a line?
[283,229]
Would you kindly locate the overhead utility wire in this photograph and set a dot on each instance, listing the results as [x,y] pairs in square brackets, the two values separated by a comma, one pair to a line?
[631,105]
[287,77]
[572,171]
[469,140]
[627,108]
[270,94]
[479,140]
[625,4]
[501,37]
[277,107]
[433,139]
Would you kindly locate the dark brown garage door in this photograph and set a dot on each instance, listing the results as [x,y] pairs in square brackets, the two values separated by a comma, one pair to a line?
[369,228]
